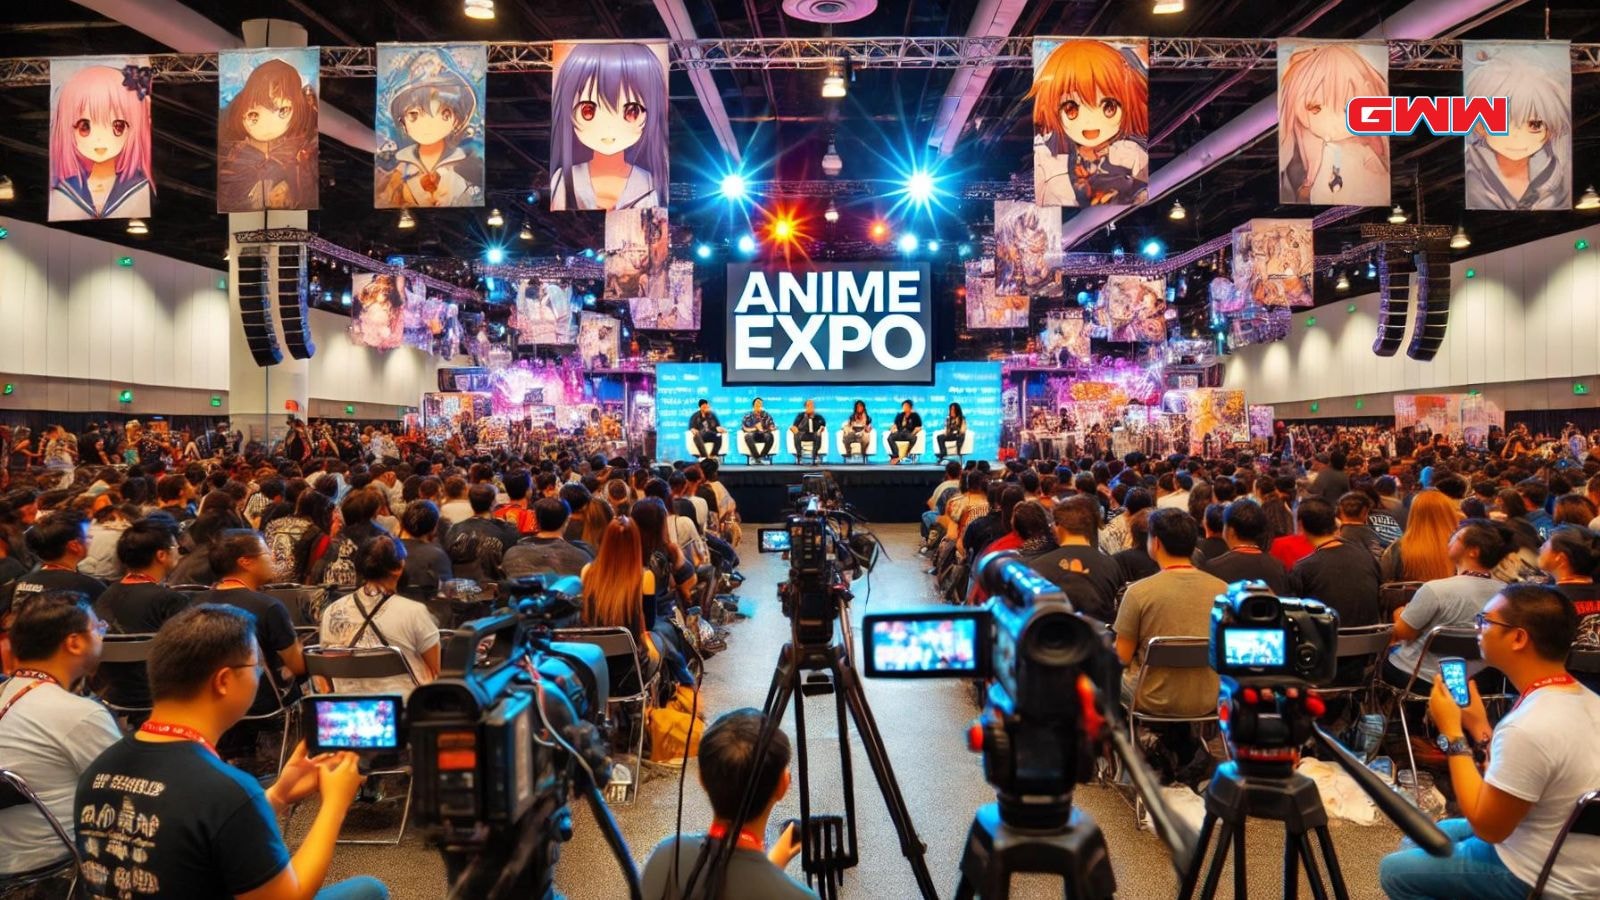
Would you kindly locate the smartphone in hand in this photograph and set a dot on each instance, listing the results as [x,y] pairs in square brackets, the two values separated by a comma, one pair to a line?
[1453,669]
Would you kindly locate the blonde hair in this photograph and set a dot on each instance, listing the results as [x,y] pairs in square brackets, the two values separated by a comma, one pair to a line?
[1425,546]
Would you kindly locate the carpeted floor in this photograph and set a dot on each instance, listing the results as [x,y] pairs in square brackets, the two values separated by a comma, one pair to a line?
[924,727]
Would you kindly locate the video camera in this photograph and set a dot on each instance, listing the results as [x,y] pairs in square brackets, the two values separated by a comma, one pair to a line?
[826,547]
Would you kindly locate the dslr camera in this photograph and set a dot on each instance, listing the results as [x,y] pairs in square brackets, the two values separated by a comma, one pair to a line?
[1257,634]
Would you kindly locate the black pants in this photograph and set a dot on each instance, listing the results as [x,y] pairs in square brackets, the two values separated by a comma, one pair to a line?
[944,439]
[856,443]
[702,438]
[901,437]
[804,439]
[760,442]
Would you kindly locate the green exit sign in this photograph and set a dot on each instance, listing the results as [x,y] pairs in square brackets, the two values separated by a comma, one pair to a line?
[125,397]
[349,410]
[1315,406]
[1579,388]
[125,261]
[10,389]
[1311,321]
[222,283]
[4,233]
[1360,403]
[216,401]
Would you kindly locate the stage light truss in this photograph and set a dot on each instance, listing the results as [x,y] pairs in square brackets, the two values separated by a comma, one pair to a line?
[819,53]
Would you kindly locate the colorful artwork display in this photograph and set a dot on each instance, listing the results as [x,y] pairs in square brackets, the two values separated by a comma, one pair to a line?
[679,310]
[447,414]
[100,138]
[378,314]
[267,129]
[1319,161]
[638,253]
[599,340]
[523,386]
[608,129]
[429,322]
[1209,411]
[1091,121]
[1133,308]
[546,313]
[1274,263]
[1531,166]
[1066,337]
[985,307]
[1027,249]
[1261,417]
[429,120]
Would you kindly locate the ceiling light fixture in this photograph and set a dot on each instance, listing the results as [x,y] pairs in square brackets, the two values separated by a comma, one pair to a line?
[137,226]
[1167,7]
[8,191]
[831,214]
[1343,283]
[1459,240]
[1589,200]
[495,219]
[526,233]
[1177,213]
[478,9]
[1397,216]
[832,165]
[833,86]
[406,221]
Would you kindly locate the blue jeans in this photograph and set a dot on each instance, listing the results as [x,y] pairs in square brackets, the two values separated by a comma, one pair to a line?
[928,518]
[1474,872]
[361,887]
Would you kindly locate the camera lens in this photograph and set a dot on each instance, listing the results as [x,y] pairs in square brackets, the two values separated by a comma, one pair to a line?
[1057,639]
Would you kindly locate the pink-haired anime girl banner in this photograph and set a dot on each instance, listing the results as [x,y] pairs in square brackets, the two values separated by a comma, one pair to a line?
[100,138]
[608,126]
[1319,161]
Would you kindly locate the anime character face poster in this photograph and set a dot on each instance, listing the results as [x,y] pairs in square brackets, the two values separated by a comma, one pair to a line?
[1319,160]
[100,138]
[1066,336]
[378,314]
[429,119]
[608,126]
[1027,249]
[1091,121]
[987,308]
[679,310]
[638,254]
[267,129]
[1133,308]
[599,339]
[545,313]
[1273,262]
[1261,417]
[1531,166]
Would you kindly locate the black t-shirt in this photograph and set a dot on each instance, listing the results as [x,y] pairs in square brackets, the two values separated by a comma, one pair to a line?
[1345,577]
[1586,598]
[134,609]
[907,422]
[41,579]
[704,421]
[427,566]
[11,569]
[172,820]
[1238,565]
[1089,578]
[1135,563]
[1212,547]
[809,424]
[980,533]
[274,633]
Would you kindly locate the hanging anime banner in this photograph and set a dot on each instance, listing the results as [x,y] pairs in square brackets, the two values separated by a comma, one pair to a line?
[1091,121]
[546,313]
[267,129]
[1066,337]
[1530,167]
[987,308]
[678,311]
[378,315]
[608,126]
[1027,249]
[638,253]
[1133,308]
[1273,262]
[429,120]
[599,340]
[1319,161]
[100,138]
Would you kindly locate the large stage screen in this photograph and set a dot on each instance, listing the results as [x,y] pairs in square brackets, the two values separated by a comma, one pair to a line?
[974,385]
[841,323]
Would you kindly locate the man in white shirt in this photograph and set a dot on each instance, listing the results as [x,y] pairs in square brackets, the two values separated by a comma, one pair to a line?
[1539,765]
[1172,491]
[48,734]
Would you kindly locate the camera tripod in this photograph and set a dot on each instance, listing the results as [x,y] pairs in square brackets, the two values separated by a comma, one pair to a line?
[995,851]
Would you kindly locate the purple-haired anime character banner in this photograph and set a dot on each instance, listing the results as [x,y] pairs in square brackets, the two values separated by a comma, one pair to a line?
[267,129]
[608,128]
[1319,161]
[1529,167]
[100,138]
[429,120]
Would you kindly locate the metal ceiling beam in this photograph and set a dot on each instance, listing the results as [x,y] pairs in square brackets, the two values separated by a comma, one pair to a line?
[992,19]
[681,28]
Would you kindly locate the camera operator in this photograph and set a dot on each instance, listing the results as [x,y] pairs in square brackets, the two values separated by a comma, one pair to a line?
[202,827]
[1537,770]
[727,756]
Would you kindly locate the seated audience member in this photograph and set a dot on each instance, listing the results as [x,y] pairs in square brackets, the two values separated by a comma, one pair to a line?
[946,489]
[427,565]
[477,544]
[60,542]
[1341,575]
[1174,602]
[174,493]
[456,507]
[375,615]
[216,516]
[1136,562]
[1353,512]
[48,734]
[109,523]
[359,511]
[981,531]
[1423,551]
[243,566]
[1244,527]
[1116,534]
[577,497]
[728,762]
[218,830]
[518,512]
[1571,555]
[1572,509]
[1213,544]
[614,595]
[1088,577]
[299,540]
[1537,769]
[546,550]
[1031,534]
[1475,549]
[139,603]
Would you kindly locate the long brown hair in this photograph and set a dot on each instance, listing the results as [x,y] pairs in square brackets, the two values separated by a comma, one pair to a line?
[1425,546]
[613,586]
[596,515]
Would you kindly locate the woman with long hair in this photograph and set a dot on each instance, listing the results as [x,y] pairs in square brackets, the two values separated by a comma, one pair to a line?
[1571,555]
[855,431]
[955,429]
[614,589]
[595,516]
[1422,553]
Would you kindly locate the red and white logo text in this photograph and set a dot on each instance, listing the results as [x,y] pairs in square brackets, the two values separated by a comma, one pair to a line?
[1442,116]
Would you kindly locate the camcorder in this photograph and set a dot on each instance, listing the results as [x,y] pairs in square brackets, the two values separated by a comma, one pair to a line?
[1270,651]
[826,546]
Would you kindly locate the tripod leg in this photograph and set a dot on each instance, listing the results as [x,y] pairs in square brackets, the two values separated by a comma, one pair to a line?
[846,773]
[805,787]
[1318,890]
[1291,867]
[1241,872]
[1214,872]
[1192,876]
[1331,862]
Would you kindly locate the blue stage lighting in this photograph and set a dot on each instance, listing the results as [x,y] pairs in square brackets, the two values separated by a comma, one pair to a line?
[747,244]
[920,187]
[933,246]
[344,299]
[1372,270]
[494,256]
[588,300]
[1085,298]
[964,250]
[1153,249]
[733,187]
[908,243]
[703,251]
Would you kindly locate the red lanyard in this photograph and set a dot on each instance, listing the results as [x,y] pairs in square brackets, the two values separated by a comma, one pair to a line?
[182,732]
[747,841]
[1563,678]
[1177,567]
[137,578]
[56,567]
[236,581]
[38,679]
[1248,550]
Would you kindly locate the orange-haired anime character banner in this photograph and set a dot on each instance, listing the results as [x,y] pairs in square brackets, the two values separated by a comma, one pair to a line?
[1091,121]
[1319,161]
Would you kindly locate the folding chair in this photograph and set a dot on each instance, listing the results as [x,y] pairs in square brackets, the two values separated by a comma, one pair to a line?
[628,685]
[1361,641]
[286,714]
[1167,653]
[132,649]
[1394,594]
[304,602]
[1585,819]
[1440,640]
[324,664]
[14,791]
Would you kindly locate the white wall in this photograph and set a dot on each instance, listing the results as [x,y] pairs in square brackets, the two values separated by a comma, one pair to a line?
[1530,314]
[345,372]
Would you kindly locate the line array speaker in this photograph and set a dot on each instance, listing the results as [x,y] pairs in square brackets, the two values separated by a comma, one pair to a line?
[1395,272]
[292,313]
[254,313]
[1433,305]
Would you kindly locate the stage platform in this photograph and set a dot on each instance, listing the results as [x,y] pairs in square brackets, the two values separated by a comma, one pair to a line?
[879,491]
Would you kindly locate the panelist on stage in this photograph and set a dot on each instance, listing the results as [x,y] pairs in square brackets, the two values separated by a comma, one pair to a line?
[907,425]
[807,431]
[758,428]
[955,429]
[858,432]
[707,429]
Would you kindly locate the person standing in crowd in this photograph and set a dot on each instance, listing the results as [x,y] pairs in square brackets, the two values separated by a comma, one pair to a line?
[856,428]
[907,426]
[707,430]
[758,429]
[807,430]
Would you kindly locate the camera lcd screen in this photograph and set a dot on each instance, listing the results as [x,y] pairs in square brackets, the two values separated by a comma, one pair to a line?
[355,723]
[1253,647]
[774,540]
[946,645]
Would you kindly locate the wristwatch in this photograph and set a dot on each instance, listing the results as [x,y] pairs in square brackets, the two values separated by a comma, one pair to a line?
[1458,747]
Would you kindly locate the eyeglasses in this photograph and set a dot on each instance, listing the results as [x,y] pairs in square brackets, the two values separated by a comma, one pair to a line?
[1482,620]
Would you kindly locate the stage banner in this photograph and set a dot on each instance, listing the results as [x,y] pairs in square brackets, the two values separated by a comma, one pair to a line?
[986,308]
[1213,412]
[267,129]
[546,313]
[599,340]
[1133,308]
[976,386]
[1274,263]
[100,138]
[1027,249]
[378,315]
[678,311]
[846,323]
[1091,121]
[1261,418]
[638,253]
[1066,337]
[429,120]
[608,128]
[1530,167]
[455,413]
[1319,161]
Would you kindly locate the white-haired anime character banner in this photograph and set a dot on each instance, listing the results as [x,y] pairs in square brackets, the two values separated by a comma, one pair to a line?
[1530,166]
